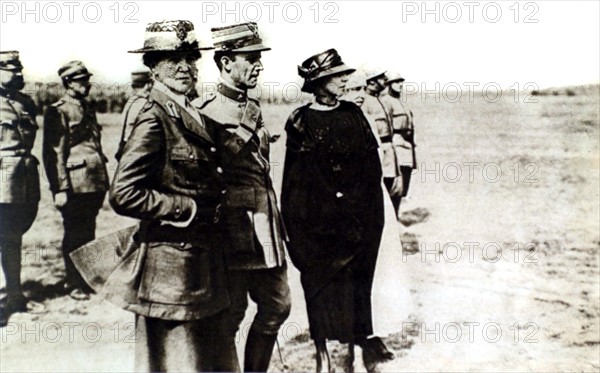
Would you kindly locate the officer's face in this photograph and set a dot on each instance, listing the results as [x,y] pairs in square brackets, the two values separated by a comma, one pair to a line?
[80,87]
[177,72]
[396,87]
[244,69]
[12,79]
[355,94]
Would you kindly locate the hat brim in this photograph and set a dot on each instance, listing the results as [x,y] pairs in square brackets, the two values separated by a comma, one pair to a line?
[308,83]
[390,81]
[79,76]
[375,75]
[11,68]
[148,50]
[251,48]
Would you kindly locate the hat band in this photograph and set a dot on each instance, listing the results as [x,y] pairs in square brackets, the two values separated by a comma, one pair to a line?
[238,43]
[167,40]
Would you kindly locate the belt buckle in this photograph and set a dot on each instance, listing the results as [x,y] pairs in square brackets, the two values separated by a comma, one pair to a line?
[217,215]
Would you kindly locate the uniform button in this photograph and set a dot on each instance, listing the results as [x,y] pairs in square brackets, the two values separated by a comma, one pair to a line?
[219,170]
[213,149]
[182,244]
[192,156]
[177,210]
[339,194]
[224,191]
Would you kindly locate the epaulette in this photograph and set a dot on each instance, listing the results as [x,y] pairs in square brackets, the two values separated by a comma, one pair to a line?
[148,105]
[201,102]
[58,103]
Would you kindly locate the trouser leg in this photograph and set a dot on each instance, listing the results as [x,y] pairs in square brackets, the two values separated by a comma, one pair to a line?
[270,291]
[15,220]
[79,221]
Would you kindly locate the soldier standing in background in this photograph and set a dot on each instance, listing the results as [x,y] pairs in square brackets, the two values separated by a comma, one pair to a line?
[254,252]
[141,83]
[20,189]
[375,108]
[76,167]
[403,128]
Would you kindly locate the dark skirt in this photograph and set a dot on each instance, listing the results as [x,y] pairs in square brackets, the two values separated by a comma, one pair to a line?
[341,308]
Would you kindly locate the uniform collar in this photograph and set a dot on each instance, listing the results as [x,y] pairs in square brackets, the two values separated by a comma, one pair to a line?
[77,101]
[178,98]
[7,93]
[231,92]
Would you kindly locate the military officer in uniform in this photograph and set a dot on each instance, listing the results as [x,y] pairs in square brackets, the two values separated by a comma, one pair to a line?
[141,83]
[75,166]
[171,271]
[20,190]
[255,253]
[403,130]
[377,110]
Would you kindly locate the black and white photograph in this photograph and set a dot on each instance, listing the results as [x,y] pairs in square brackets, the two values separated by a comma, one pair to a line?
[300,186]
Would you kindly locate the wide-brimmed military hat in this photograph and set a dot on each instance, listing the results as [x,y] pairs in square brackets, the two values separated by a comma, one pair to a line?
[9,61]
[170,36]
[375,74]
[73,70]
[240,38]
[394,77]
[140,76]
[321,65]
[356,79]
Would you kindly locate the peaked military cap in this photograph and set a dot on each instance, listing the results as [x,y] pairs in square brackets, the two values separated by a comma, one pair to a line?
[321,65]
[395,77]
[170,36]
[9,61]
[73,70]
[375,74]
[242,37]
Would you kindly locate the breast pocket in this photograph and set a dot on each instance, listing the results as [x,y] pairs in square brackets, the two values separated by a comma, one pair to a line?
[176,274]
[190,166]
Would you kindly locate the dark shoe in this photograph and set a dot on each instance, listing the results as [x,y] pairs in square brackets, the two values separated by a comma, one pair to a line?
[380,349]
[20,303]
[79,295]
[370,360]
[259,348]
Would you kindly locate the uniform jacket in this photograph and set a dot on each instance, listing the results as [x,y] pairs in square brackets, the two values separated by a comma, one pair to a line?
[72,149]
[169,166]
[18,168]
[403,130]
[375,108]
[132,108]
[253,224]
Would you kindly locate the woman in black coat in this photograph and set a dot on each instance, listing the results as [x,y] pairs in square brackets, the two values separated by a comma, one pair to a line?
[332,205]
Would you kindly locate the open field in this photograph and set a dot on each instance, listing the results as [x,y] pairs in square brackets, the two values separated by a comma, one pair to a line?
[506,276]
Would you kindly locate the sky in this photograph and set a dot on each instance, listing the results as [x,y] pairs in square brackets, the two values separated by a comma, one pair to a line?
[445,43]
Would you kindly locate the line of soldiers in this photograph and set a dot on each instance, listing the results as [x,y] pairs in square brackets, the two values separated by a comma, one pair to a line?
[196,172]
[392,122]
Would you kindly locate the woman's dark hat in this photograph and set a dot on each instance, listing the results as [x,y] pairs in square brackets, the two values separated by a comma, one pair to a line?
[321,65]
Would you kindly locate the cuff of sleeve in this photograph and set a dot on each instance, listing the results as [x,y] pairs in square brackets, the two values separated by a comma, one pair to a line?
[180,211]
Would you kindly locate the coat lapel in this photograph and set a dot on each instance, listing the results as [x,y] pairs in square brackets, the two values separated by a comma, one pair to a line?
[181,116]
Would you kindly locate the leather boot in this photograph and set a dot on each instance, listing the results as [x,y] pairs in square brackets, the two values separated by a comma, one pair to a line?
[259,348]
